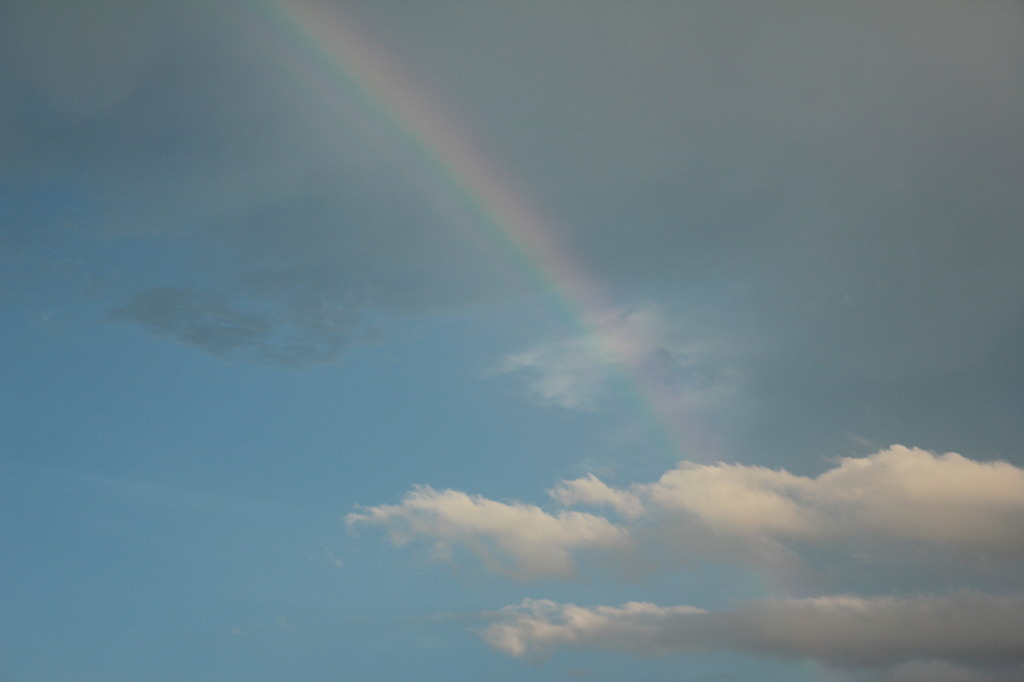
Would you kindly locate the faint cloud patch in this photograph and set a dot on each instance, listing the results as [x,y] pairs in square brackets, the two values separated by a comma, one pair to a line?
[333,558]
[302,331]
[636,344]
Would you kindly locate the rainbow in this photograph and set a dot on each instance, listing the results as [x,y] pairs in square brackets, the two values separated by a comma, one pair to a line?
[343,65]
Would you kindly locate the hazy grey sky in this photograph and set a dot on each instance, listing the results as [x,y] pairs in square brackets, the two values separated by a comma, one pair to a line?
[666,340]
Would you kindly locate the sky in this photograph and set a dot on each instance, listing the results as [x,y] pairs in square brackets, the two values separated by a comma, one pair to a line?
[550,340]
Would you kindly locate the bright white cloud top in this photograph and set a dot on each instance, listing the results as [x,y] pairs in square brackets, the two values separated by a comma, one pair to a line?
[516,540]
[871,508]
[943,503]
[899,494]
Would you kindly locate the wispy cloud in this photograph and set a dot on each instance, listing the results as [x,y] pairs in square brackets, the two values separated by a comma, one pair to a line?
[638,343]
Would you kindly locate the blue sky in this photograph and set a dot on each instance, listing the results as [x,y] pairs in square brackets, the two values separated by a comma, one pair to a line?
[284,399]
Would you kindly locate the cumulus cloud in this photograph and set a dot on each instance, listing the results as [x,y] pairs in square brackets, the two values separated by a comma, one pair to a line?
[946,504]
[900,507]
[838,631]
[590,490]
[896,495]
[518,541]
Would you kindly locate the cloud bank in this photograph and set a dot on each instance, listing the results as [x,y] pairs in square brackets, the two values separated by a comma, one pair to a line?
[838,631]
[807,162]
[896,495]
[944,505]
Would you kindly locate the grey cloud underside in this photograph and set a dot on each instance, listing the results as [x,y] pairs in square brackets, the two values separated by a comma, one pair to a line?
[839,180]
[844,177]
[199,123]
[845,632]
[955,524]
[941,671]
[865,151]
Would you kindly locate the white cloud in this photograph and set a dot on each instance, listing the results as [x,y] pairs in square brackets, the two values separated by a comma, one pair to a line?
[590,490]
[639,342]
[898,494]
[516,540]
[540,624]
[560,374]
[899,506]
[838,631]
